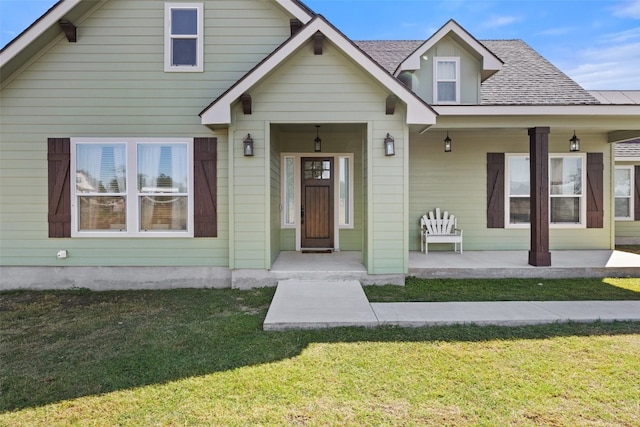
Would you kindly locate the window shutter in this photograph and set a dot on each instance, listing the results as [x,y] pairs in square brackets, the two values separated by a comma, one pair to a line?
[595,194]
[59,162]
[205,187]
[495,190]
[636,195]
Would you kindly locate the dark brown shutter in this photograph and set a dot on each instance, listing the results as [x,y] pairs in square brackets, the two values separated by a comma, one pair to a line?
[595,194]
[495,190]
[636,196]
[205,216]
[59,160]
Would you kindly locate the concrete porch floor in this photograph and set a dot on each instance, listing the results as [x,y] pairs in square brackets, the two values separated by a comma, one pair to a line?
[347,265]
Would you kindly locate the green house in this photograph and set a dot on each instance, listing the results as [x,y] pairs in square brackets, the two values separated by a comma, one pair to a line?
[146,143]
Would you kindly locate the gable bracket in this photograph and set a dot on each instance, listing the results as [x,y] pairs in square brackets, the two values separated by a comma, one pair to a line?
[391,105]
[70,30]
[318,40]
[295,25]
[246,103]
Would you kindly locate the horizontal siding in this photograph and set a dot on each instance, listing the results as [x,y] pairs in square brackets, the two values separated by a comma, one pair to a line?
[112,83]
[456,182]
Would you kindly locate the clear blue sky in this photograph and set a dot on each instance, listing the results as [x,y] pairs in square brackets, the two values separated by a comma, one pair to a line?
[596,42]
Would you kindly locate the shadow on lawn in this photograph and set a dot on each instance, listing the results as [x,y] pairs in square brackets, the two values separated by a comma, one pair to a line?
[68,344]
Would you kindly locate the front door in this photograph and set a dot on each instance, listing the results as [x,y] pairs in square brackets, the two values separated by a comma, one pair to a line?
[316,207]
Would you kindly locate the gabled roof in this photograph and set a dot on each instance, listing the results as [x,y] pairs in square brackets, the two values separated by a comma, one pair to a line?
[46,28]
[219,111]
[526,78]
[490,62]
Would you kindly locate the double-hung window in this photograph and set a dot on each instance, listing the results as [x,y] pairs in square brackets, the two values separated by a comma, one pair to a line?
[184,37]
[129,188]
[624,192]
[446,82]
[567,202]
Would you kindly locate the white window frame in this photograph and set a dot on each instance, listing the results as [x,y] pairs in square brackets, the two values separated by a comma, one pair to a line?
[168,37]
[631,216]
[582,196]
[133,208]
[436,79]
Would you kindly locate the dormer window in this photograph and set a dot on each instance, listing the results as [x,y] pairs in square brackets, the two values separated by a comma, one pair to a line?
[446,82]
[184,38]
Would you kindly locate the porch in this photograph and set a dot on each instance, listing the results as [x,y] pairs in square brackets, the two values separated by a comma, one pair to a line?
[347,265]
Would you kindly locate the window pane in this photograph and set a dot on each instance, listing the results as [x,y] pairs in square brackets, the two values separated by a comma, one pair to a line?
[184,21]
[519,176]
[344,196]
[446,91]
[102,213]
[184,52]
[446,70]
[623,208]
[158,213]
[162,168]
[100,168]
[290,206]
[565,210]
[623,183]
[519,210]
[566,176]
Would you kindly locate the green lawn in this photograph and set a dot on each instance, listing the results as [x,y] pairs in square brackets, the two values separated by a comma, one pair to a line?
[200,357]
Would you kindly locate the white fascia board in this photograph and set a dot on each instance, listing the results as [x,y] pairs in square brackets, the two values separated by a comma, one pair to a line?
[489,60]
[538,110]
[627,159]
[48,20]
[295,10]
[219,113]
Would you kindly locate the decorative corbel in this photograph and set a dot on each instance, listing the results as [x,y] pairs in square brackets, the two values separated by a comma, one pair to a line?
[70,30]
[318,40]
[246,103]
[391,104]
[295,25]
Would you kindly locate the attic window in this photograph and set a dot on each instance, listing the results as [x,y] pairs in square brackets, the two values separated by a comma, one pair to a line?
[446,83]
[184,37]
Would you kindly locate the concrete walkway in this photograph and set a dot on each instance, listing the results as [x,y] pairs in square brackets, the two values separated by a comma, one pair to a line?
[320,304]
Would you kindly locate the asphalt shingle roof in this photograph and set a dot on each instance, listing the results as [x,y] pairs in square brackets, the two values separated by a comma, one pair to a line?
[628,149]
[526,77]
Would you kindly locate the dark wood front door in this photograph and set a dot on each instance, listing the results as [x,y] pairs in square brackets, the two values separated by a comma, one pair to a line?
[316,208]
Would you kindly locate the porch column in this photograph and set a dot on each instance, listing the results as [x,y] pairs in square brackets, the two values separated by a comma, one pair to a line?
[539,254]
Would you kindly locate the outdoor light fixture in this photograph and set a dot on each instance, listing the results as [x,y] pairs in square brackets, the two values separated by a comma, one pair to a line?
[317,147]
[574,143]
[389,146]
[447,144]
[247,145]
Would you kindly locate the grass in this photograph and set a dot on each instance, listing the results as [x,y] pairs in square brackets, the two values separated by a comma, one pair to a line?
[438,290]
[200,357]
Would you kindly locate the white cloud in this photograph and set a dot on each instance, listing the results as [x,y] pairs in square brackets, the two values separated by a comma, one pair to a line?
[628,9]
[607,67]
[496,21]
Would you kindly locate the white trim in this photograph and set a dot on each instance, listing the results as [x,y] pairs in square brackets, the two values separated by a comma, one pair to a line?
[132,212]
[336,193]
[169,37]
[436,80]
[631,216]
[627,159]
[295,9]
[583,196]
[219,112]
[48,20]
[490,62]
[537,110]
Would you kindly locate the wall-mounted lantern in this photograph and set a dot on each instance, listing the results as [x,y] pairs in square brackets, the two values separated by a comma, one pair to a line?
[389,146]
[247,145]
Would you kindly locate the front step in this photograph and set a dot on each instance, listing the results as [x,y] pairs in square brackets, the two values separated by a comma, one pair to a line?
[306,304]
